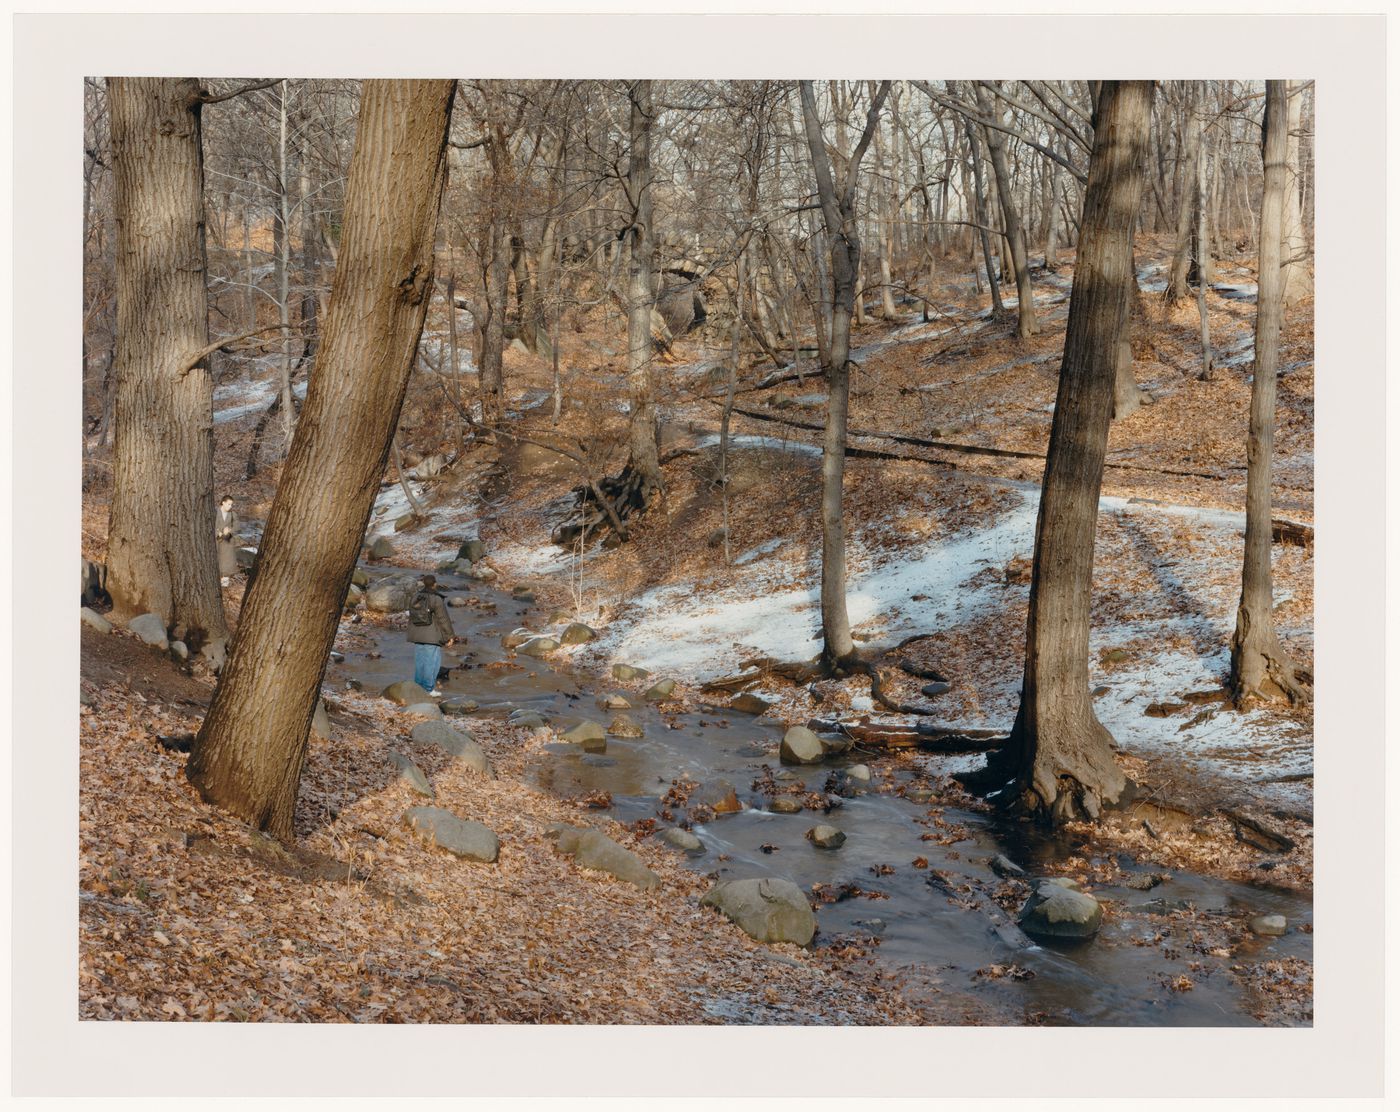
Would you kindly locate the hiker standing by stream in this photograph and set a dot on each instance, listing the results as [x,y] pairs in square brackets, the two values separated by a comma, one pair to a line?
[226,530]
[429,629]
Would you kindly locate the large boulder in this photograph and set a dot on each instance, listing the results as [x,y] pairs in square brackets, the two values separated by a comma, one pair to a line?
[150,628]
[391,595]
[1055,911]
[625,672]
[472,550]
[624,725]
[749,703]
[538,646]
[96,620]
[769,909]
[458,743]
[321,721]
[683,840]
[405,693]
[593,850]
[381,548]
[801,746]
[659,692]
[463,837]
[827,837]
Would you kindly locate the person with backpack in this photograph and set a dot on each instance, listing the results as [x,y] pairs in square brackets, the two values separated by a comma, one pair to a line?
[429,629]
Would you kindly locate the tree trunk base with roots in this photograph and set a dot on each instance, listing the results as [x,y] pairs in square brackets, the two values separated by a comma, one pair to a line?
[1071,777]
[1262,672]
[607,506]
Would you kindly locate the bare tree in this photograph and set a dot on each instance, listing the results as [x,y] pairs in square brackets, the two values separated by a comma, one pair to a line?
[1297,278]
[838,207]
[249,753]
[1058,762]
[1011,221]
[161,553]
[642,455]
[1260,669]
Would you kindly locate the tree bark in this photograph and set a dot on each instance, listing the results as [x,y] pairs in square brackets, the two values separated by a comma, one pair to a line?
[1297,278]
[1058,763]
[161,552]
[1178,275]
[1259,667]
[839,213]
[248,756]
[643,456]
[1011,221]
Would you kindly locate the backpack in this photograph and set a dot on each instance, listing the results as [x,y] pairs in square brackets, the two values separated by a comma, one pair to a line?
[420,613]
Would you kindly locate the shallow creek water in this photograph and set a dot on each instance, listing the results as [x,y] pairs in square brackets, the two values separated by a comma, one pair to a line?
[940,937]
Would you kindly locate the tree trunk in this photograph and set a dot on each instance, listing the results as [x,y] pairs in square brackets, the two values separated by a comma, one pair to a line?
[249,753]
[642,455]
[839,214]
[1202,240]
[1059,761]
[1297,278]
[1011,222]
[161,554]
[980,212]
[1259,667]
[496,275]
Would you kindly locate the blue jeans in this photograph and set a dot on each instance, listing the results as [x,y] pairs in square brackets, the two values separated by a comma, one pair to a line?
[427,659]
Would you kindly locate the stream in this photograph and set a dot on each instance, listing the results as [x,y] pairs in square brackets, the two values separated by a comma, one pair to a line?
[1131,974]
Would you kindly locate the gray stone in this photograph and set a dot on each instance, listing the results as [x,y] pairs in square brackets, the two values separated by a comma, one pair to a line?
[919,795]
[932,690]
[359,578]
[96,620]
[1056,911]
[518,345]
[683,840]
[150,628]
[801,746]
[625,672]
[516,637]
[459,744]
[391,595]
[457,600]
[659,692]
[463,837]
[592,850]
[624,725]
[833,745]
[321,721]
[1272,926]
[590,735]
[1003,866]
[406,521]
[613,702]
[827,837]
[719,796]
[785,805]
[246,558]
[483,573]
[411,774]
[431,467]
[472,550]
[749,703]
[381,547]
[576,633]
[769,909]
[859,773]
[353,597]
[458,706]
[461,567]
[538,646]
[423,710]
[405,693]
[179,650]
[530,719]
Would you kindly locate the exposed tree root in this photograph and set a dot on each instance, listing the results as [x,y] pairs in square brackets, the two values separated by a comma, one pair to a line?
[608,503]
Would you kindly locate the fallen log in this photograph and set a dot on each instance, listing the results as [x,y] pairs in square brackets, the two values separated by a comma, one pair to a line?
[1246,825]
[926,737]
[1292,532]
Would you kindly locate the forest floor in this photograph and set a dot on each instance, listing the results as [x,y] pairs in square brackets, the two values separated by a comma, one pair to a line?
[186,913]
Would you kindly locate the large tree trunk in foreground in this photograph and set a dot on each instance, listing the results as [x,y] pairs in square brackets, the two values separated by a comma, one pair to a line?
[249,754]
[1058,763]
[161,554]
[1259,668]
[839,213]
[1011,221]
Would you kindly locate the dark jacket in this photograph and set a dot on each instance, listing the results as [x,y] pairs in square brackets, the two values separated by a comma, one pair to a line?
[441,631]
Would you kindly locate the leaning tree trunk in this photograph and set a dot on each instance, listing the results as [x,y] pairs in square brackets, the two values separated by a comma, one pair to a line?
[249,753]
[1259,667]
[980,211]
[1297,278]
[1011,221]
[161,555]
[1058,762]
[642,454]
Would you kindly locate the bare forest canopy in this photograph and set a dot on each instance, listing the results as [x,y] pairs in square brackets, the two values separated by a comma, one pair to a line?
[533,222]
